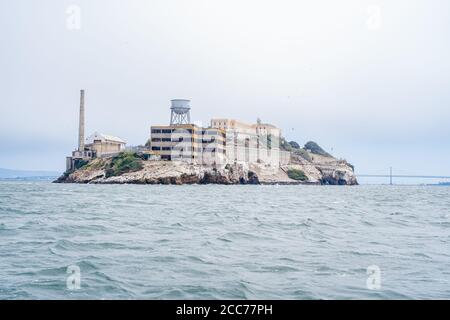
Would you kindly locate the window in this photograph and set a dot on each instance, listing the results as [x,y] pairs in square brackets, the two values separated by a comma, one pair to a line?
[166,140]
[209,141]
[156,139]
[156,130]
[156,148]
[166,131]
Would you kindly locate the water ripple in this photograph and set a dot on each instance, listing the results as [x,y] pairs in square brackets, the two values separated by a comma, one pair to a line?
[223,242]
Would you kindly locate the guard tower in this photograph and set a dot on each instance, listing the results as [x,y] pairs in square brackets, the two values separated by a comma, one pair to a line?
[180,112]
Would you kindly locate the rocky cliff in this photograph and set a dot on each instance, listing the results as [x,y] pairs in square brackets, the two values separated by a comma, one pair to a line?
[160,172]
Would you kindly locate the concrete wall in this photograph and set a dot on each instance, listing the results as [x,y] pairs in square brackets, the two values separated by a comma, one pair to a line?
[106,147]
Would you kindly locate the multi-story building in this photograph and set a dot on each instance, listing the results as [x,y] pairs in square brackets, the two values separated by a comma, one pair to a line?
[225,141]
[252,143]
[188,142]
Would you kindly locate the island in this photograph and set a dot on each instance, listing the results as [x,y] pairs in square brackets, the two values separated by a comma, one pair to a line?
[308,166]
[228,152]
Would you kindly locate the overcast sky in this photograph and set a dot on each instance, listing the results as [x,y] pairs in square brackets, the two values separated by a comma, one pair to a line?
[367,80]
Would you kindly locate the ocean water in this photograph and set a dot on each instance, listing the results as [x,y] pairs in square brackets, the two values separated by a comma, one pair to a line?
[223,242]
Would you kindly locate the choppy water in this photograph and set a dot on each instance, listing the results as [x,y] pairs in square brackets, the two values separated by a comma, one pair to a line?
[228,242]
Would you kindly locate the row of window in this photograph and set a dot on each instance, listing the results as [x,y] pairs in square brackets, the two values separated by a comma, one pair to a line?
[193,149]
[203,132]
[168,130]
[161,148]
[181,139]
[171,130]
[169,157]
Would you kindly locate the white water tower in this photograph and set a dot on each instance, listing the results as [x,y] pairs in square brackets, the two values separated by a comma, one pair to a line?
[180,112]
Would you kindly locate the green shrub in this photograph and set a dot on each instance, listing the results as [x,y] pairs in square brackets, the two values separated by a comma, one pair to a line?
[67,173]
[294,145]
[95,164]
[288,145]
[303,153]
[297,175]
[123,163]
[284,145]
[79,163]
[315,148]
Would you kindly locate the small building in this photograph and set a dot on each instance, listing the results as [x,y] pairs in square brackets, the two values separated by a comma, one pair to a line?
[104,144]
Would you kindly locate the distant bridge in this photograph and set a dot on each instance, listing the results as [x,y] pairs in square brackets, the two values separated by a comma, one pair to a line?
[391,176]
[400,176]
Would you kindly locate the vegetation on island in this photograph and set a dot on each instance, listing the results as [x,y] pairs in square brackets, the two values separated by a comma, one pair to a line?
[296,174]
[95,164]
[98,170]
[294,145]
[122,163]
[316,149]
[285,145]
[80,163]
[295,148]
[302,153]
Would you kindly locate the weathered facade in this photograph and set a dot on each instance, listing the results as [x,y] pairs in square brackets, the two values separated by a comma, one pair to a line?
[188,142]
[252,143]
[225,141]
[103,144]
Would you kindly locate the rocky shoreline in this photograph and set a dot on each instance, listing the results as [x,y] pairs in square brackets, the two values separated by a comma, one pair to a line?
[316,170]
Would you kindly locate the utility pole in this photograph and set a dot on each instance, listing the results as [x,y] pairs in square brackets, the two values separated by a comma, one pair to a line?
[390,175]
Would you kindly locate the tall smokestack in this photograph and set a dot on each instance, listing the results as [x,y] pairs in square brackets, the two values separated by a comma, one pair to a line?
[81,125]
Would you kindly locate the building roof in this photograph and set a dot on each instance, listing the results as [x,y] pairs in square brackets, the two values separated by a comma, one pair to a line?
[237,123]
[268,125]
[104,138]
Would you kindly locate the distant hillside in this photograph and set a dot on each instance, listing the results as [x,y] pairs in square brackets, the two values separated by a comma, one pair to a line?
[17,174]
